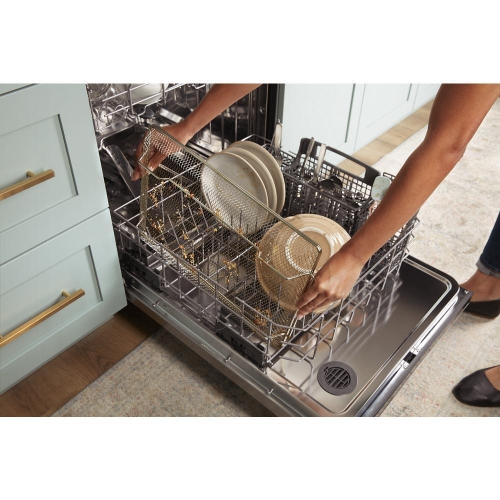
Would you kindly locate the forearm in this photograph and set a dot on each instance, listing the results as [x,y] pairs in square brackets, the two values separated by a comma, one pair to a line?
[424,170]
[457,112]
[422,173]
[217,99]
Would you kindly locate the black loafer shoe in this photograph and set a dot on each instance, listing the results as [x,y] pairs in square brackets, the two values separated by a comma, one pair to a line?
[489,309]
[477,390]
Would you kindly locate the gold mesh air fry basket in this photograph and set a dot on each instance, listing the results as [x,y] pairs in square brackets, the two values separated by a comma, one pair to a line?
[210,229]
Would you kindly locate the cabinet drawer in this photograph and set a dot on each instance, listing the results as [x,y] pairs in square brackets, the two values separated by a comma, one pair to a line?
[45,129]
[83,257]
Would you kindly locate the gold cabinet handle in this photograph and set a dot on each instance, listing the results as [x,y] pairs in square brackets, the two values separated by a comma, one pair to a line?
[68,299]
[32,180]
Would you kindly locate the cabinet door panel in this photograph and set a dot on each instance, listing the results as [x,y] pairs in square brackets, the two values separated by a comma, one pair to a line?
[322,111]
[425,92]
[37,147]
[10,87]
[43,128]
[83,257]
[384,105]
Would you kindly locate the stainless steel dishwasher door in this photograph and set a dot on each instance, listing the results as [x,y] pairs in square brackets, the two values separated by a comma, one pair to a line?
[380,346]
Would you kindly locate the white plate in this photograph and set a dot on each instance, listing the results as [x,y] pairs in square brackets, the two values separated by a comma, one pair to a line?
[225,200]
[271,164]
[263,172]
[329,235]
[282,252]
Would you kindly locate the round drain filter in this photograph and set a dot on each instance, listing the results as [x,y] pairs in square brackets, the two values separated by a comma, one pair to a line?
[337,378]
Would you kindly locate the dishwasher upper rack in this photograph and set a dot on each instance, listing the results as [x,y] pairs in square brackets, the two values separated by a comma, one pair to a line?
[118,106]
[193,215]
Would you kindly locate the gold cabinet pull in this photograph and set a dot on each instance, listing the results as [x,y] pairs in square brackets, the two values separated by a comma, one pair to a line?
[32,180]
[68,299]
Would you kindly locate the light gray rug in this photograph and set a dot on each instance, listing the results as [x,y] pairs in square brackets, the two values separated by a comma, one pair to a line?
[162,377]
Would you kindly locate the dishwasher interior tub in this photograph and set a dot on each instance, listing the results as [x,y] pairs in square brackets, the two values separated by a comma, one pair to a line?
[343,365]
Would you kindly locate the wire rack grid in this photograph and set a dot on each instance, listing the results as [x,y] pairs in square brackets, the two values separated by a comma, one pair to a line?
[199,235]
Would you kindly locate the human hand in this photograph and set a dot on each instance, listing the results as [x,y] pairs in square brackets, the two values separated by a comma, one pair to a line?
[179,131]
[334,281]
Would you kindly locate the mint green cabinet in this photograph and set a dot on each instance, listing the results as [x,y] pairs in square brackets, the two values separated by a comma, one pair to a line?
[10,87]
[383,106]
[84,257]
[425,92]
[348,116]
[321,111]
[56,236]
[43,128]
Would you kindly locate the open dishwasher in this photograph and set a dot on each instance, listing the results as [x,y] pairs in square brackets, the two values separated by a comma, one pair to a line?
[194,269]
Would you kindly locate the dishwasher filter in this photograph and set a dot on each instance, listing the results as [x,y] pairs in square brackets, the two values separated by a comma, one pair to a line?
[337,378]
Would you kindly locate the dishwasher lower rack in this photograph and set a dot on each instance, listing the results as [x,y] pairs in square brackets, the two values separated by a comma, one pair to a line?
[208,230]
[208,267]
[167,274]
[201,282]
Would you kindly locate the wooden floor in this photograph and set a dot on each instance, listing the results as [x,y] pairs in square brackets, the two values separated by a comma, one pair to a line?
[54,384]
[384,144]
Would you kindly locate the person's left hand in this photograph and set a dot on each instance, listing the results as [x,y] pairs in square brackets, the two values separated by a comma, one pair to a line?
[334,281]
[178,130]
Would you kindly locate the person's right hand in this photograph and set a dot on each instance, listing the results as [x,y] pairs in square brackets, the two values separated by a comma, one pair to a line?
[178,131]
[334,281]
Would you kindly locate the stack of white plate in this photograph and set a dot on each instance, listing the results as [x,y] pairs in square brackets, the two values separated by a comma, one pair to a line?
[250,167]
[268,169]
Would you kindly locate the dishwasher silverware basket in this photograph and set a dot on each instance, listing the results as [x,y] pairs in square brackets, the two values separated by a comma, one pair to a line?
[349,204]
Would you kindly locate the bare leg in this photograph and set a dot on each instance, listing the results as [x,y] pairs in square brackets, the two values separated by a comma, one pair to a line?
[484,287]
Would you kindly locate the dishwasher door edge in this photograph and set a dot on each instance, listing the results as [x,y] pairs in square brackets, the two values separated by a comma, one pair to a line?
[394,381]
